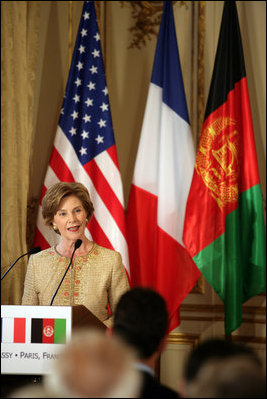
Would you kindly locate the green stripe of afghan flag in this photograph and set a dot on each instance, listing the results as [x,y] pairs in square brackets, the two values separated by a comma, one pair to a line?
[60,331]
[234,264]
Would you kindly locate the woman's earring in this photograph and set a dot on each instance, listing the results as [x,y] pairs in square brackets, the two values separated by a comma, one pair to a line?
[54,226]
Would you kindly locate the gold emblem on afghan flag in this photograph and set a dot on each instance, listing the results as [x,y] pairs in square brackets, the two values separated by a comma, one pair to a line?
[48,331]
[217,161]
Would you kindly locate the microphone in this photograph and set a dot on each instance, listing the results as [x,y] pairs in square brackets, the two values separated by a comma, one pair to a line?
[32,251]
[77,245]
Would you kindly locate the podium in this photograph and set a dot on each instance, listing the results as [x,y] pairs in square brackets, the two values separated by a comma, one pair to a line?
[82,317]
[27,351]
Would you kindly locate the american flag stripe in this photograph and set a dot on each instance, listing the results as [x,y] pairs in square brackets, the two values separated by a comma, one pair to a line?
[113,155]
[105,191]
[110,170]
[66,151]
[40,238]
[44,235]
[102,214]
[50,179]
[84,147]
[58,164]
[99,234]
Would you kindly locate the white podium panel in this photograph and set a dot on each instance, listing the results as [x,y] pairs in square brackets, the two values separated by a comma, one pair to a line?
[32,337]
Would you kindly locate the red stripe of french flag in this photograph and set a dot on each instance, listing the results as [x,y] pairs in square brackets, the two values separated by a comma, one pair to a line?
[19,330]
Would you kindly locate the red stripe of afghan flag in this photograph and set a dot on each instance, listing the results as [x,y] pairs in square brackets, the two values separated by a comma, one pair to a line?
[161,182]
[224,225]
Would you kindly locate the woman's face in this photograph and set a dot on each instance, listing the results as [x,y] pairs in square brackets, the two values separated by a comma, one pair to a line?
[70,218]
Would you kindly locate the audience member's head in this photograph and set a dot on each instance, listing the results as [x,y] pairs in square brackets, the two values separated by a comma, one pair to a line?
[141,319]
[233,377]
[93,365]
[216,368]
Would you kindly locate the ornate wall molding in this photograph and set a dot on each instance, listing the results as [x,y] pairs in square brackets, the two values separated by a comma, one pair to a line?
[249,339]
[183,338]
[147,17]
[259,310]
[212,319]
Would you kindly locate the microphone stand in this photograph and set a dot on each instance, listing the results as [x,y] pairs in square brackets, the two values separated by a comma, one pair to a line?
[32,251]
[77,245]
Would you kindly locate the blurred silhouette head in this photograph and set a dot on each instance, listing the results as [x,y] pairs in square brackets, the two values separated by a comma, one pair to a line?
[216,367]
[232,377]
[94,365]
[141,319]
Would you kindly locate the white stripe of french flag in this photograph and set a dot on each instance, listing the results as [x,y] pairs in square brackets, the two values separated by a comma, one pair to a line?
[7,330]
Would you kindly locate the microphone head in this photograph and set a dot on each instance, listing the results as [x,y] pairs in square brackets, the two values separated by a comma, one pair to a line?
[78,243]
[35,250]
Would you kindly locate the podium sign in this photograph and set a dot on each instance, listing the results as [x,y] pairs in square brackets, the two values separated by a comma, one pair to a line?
[32,337]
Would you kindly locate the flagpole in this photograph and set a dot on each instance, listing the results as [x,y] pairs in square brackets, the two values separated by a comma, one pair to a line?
[228,338]
[70,14]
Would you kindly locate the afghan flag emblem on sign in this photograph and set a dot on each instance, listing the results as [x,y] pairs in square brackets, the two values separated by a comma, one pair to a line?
[48,331]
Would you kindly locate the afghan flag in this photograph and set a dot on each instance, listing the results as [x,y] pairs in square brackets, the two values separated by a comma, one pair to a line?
[162,177]
[224,225]
[48,331]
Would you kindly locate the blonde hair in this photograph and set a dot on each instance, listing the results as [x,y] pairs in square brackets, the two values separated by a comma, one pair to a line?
[57,192]
[94,365]
[91,365]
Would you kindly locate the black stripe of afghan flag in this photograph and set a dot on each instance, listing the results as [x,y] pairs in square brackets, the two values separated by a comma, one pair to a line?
[37,331]
[228,69]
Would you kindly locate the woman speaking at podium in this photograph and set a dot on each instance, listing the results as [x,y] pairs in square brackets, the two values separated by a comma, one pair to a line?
[96,277]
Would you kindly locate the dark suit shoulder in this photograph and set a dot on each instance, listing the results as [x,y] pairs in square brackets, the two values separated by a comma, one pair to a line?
[153,389]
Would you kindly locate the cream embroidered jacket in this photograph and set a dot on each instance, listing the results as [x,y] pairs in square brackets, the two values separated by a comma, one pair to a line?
[94,280]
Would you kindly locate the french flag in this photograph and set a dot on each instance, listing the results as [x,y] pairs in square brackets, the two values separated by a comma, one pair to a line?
[161,182]
[13,330]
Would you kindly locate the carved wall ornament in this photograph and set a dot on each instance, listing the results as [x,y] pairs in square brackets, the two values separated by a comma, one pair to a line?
[147,17]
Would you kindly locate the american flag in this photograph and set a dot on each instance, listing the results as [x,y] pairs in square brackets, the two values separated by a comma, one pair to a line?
[84,148]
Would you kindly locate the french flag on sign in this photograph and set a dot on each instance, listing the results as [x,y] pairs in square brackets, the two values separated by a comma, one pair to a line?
[13,330]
